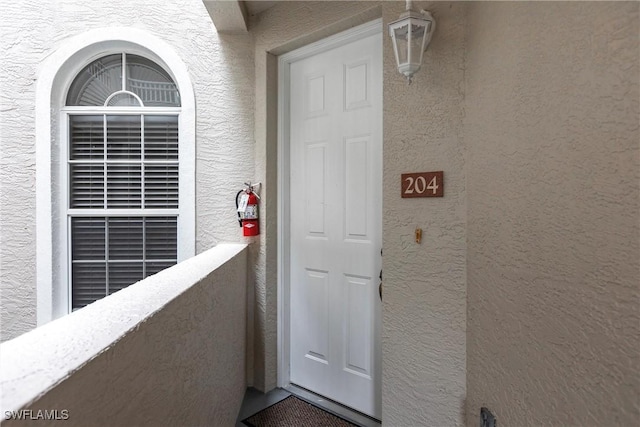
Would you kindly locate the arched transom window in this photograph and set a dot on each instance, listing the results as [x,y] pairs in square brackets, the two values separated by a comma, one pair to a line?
[122,166]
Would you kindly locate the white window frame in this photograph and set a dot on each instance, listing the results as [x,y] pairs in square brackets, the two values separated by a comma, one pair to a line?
[65,196]
[55,77]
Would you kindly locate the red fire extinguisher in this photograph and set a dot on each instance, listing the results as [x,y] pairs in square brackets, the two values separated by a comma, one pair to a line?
[248,215]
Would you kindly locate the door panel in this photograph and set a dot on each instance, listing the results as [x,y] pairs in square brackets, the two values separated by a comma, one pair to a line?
[357,341]
[356,183]
[336,223]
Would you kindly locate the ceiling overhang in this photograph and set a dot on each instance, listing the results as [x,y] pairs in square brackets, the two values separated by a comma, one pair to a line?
[228,16]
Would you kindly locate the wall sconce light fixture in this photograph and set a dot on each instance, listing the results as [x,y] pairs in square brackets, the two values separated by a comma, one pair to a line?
[411,35]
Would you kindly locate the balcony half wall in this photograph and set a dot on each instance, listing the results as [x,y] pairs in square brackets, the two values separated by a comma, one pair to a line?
[169,350]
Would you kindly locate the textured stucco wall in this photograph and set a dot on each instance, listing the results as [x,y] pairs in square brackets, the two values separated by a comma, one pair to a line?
[17,181]
[541,202]
[283,28]
[424,284]
[167,351]
[553,178]
[221,69]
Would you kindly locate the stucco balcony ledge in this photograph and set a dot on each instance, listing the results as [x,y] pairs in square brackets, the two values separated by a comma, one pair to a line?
[168,350]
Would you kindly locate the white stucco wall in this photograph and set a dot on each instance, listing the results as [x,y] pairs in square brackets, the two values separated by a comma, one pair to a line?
[168,350]
[523,295]
[553,173]
[221,69]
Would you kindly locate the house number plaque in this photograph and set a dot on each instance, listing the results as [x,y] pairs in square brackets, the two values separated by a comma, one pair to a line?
[422,184]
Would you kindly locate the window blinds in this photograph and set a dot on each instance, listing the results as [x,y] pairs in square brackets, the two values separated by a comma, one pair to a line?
[110,253]
[128,163]
[139,164]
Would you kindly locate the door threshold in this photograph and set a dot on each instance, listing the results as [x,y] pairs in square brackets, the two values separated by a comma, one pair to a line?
[333,407]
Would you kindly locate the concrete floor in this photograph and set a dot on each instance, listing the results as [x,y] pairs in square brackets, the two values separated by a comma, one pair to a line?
[255,401]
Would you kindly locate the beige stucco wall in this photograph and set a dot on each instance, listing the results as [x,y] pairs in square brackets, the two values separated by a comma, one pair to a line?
[425,284]
[523,295]
[167,351]
[553,172]
[221,70]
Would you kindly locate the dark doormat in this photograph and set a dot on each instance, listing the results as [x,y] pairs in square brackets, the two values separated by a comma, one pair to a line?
[294,412]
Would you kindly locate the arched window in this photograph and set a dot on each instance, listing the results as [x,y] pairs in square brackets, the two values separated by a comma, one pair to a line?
[122,175]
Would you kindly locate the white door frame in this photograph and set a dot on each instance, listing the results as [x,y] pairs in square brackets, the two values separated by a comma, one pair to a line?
[284,64]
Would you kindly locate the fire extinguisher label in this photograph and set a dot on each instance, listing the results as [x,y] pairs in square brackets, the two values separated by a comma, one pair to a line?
[251,212]
[242,204]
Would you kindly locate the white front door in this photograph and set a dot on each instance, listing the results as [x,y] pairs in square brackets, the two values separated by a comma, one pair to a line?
[336,223]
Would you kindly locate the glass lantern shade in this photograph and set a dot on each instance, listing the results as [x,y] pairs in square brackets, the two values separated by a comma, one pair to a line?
[411,35]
